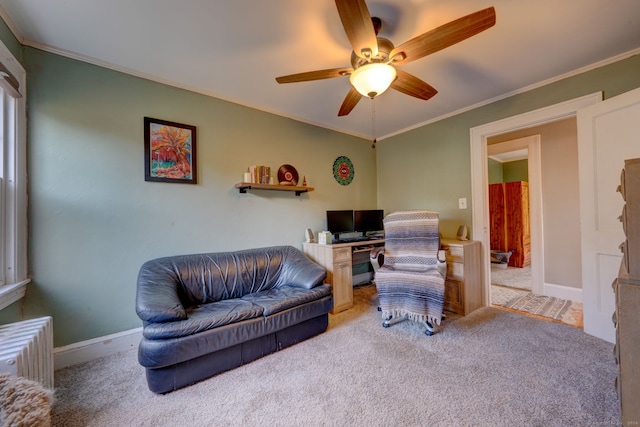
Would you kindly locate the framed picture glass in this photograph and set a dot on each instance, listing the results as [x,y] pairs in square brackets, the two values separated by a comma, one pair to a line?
[169,151]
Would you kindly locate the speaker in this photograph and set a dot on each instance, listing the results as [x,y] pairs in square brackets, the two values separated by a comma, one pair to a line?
[308,236]
[462,233]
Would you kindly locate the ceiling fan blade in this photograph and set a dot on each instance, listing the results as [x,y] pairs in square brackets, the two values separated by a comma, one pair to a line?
[315,75]
[412,86]
[356,21]
[349,103]
[444,36]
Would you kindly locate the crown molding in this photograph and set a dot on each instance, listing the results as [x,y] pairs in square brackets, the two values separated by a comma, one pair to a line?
[108,65]
[576,72]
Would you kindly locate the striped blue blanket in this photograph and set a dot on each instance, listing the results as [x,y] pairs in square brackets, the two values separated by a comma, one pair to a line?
[409,284]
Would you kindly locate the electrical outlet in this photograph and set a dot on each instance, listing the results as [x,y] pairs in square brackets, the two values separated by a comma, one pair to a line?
[462,203]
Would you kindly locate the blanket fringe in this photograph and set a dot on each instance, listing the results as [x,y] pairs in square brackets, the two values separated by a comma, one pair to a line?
[415,317]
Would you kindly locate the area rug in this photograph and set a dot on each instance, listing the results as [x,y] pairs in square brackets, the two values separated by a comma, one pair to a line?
[540,305]
[501,295]
[565,311]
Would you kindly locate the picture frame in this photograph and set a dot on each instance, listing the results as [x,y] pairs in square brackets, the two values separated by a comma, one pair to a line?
[169,152]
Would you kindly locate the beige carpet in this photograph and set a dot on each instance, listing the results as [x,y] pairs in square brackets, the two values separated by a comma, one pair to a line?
[490,368]
[512,277]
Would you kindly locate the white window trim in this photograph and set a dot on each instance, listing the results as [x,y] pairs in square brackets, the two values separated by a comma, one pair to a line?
[15,196]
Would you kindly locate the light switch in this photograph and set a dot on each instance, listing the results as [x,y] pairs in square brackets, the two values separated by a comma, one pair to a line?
[462,203]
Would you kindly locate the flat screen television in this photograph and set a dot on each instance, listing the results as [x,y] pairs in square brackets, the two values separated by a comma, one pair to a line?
[340,221]
[369,220]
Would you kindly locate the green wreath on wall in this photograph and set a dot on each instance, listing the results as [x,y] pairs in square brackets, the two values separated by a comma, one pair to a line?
[343,170]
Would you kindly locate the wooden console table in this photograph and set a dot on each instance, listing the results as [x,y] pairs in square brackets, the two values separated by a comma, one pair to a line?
[338,260]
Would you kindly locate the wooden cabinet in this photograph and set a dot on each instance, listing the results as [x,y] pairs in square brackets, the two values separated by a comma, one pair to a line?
[627,291]
[342,279]
[463,287]
[627,348]
[630,191]
[509,221]
[497,218]
[338,260]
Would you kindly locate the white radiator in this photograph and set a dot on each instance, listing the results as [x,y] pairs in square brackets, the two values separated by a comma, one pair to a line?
[26,350]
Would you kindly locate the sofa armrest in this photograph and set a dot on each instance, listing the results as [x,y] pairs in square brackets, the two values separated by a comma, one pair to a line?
[157,298]
[300,271]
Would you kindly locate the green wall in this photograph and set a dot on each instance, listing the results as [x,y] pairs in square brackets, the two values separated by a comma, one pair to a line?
[10,41]
[516,171]
[494,172]
[93,218]
[430,167]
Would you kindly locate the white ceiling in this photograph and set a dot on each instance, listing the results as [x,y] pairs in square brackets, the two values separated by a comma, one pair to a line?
[234,49]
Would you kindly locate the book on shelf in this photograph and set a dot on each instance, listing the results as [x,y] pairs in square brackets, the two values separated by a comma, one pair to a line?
[260,174]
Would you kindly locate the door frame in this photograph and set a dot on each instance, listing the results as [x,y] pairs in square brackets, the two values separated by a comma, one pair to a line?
[480,181]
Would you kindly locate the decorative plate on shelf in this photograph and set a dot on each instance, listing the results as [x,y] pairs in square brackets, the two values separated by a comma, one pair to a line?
[343,170]
[287,175]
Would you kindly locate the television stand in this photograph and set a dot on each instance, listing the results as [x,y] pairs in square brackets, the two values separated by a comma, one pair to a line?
[338,259]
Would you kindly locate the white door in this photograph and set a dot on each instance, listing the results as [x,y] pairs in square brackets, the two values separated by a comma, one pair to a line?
[608,133]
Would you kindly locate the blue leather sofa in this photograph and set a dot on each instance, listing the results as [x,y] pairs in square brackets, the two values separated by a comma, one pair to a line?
[207,313]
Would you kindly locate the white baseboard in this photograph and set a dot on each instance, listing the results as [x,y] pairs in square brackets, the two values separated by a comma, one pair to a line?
[564,292]
[85,351]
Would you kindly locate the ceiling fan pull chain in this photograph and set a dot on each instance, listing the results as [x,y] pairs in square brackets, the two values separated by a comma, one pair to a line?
[373,122]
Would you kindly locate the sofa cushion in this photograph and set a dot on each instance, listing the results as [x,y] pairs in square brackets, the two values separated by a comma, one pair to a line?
[279,299]
[204,317]
[295,315]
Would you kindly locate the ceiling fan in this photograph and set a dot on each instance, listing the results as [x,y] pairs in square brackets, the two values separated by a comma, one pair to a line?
[374,59]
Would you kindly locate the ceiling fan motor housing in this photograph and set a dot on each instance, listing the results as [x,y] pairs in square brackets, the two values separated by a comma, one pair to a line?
[384,49]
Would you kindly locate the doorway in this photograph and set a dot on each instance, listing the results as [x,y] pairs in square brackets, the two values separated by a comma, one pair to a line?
[509,230]
[480,230]
[558,296]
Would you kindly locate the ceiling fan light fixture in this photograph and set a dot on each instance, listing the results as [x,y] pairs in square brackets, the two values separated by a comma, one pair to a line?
[373,79]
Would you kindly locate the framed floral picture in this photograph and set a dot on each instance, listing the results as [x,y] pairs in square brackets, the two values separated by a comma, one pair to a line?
[169,152]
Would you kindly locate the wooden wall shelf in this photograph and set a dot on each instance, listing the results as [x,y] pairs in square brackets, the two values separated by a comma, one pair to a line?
[244,186]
